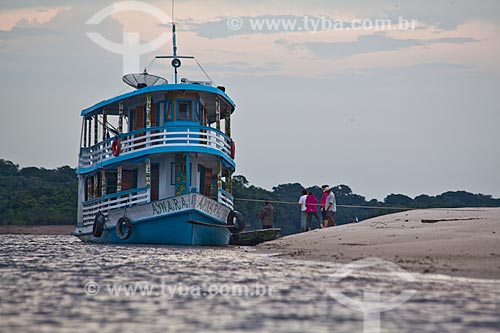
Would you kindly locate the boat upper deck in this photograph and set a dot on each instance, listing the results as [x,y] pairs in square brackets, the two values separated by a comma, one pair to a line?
[165,118]
[207,93]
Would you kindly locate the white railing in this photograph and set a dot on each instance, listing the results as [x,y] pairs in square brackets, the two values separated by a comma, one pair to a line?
[225,198]
[113,201]
[155,138]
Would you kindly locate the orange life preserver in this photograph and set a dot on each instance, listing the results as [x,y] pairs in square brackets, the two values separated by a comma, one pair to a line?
[233,149]
[116,147]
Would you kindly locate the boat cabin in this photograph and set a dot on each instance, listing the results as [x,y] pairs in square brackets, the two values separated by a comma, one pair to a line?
[154,143]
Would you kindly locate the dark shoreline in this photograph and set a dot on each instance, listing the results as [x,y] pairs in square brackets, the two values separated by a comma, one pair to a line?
[36,229]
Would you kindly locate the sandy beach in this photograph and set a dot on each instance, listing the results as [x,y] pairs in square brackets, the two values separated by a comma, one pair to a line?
[458,242]
[36,229]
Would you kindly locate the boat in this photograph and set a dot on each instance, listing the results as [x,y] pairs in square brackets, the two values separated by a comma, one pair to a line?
[254,237]
[155,164]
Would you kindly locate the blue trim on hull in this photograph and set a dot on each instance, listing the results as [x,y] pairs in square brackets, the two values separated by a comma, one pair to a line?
[169,230]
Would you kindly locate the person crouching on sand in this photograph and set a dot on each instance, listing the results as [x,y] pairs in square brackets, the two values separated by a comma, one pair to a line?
[266,215]
[330,208]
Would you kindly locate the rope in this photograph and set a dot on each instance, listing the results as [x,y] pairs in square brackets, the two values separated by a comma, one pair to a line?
[351,206]
[121,91]
[148,67]
[343,206]
[206,74]
[109,127]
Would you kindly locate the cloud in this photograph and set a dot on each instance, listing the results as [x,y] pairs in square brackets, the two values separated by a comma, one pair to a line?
[445,15]
[442,15]
[17,4]
[368,44]
[23,32]
[229,26]
[241,67]
[9,19]
[432,71]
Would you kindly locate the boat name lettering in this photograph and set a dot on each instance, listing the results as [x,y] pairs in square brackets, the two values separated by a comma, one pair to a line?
[169,205]
[209,206]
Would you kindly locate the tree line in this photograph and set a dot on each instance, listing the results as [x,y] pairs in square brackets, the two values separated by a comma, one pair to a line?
[31,196]
[284,199]
[36,196]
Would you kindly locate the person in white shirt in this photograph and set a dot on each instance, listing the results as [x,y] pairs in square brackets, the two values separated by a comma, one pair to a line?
[303,213]
[330,208]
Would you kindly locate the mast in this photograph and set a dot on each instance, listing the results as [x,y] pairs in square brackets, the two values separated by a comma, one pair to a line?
[175,61]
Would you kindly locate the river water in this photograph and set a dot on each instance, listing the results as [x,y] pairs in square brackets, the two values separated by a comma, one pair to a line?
[58,284]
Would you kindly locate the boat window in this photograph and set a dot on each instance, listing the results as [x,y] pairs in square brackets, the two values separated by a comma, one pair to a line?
[197,112]
[164,113]
[131,121]
[89,188]
[98,193]
[204,119]
[129,179]
[169,115]
[172,173]
[141,113]
[155,116]
[111,180]
[184,110]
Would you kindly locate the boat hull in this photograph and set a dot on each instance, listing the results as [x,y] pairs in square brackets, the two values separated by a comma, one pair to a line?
[191,219]
[169,230]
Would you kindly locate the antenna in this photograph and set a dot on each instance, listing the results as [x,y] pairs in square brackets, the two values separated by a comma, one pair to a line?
[176,59]
[173,7]
[176,63]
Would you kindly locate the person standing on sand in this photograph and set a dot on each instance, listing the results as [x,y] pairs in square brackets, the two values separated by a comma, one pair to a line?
[312,210]
[266,215]
[330,207]
[303,214]
[323,202]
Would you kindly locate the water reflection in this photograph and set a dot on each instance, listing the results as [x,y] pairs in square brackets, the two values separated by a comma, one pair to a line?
[44,279]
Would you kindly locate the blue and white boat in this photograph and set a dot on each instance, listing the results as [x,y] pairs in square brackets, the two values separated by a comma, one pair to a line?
[155,164]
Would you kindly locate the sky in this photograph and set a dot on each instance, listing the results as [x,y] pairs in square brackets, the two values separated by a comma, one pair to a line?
[384,111]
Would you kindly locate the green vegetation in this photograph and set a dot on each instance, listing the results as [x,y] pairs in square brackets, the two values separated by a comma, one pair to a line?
[31,196]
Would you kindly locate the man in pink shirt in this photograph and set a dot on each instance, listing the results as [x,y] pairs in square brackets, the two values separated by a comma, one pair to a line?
[312,210]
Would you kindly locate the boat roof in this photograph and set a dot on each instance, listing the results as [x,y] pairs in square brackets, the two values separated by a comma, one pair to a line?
[112,104]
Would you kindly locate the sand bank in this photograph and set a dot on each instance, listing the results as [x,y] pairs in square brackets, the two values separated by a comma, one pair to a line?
[459,242]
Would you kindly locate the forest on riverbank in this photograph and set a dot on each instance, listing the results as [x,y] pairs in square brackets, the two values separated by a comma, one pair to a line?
[38,196]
